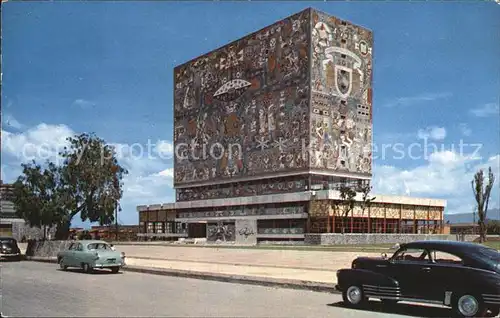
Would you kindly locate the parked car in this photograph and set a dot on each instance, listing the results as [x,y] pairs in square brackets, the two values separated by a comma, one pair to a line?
[9,250]
[90,255]
[463,276]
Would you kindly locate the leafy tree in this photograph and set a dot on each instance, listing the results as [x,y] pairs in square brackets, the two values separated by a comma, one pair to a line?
[366,199]
[481,187]
[493,227]
[345,205]
[88,182]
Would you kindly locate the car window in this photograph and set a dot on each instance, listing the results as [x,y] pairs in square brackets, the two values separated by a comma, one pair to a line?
[79,247]
[72,247]
[98,246]
[440,257]
[413,254]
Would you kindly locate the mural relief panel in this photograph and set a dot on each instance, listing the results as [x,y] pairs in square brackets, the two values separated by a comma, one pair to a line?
[242,110]
[246,211]
[341,97]
[268,186]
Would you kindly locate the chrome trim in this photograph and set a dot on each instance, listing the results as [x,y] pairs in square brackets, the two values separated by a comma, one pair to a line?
[416,300]
[447,298]
[491,299]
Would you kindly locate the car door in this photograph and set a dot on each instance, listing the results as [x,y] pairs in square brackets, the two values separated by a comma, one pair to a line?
[68,256]
[78,254]
[446,267]
[412,268]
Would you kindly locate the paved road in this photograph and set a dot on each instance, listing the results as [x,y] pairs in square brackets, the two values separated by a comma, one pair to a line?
[31,289]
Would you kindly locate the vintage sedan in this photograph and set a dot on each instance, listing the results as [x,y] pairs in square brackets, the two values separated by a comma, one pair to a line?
[90,255]
[9,250]
[463,276]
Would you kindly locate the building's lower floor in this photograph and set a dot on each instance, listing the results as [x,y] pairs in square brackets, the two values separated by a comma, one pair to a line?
[288,217]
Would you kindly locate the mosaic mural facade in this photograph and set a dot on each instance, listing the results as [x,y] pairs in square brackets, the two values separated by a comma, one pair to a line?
[341,96]
[240,189]
[243,110]
[246,211]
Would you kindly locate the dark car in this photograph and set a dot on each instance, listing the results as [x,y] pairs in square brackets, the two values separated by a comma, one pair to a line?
[9,249]
[463,276]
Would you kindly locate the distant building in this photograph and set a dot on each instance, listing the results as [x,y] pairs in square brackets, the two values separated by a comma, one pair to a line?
[266,131]
[10,223]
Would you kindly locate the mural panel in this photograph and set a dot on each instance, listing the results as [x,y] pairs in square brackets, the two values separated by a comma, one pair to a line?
[341,96]
[242,110]
[243,211]
[267,186]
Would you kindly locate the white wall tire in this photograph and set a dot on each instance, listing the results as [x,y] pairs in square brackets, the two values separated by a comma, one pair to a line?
[467,305]
[353,296]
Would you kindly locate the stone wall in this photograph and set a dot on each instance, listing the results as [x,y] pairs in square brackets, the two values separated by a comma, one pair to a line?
[46,248]
[351,239]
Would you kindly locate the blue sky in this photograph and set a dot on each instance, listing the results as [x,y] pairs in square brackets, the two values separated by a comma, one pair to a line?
[107,67]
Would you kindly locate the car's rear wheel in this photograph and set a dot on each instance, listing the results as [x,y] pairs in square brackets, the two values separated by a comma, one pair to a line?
[87,268]
[353,296]
[115,269]
[468,305]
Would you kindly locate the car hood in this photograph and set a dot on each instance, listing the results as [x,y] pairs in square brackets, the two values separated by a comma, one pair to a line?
[9,246]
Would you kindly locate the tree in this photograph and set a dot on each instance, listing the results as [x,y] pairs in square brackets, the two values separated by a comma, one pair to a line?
[482,190]
[345,205]
[493,227]
[366,199]
[88,182]
[37,197]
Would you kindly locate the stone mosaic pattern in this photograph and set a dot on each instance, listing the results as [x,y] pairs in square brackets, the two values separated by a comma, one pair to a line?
[392,211]
[407,212]
[435,213]
[267,186]
[254,93]
[248,211]
[341,96]
[375,238]
[321,208]
[246,232]
[421,212]
[377,210]
[224,232]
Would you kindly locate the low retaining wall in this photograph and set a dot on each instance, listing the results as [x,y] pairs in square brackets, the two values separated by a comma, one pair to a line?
[46,248]
[351,239]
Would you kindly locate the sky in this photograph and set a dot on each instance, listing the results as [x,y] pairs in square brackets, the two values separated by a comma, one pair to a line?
[107,67]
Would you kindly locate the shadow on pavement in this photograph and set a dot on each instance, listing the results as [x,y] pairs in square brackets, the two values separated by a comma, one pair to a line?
[401,309]
[95,272]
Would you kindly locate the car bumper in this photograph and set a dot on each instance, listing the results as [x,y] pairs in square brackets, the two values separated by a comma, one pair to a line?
[108,265]
[10,256]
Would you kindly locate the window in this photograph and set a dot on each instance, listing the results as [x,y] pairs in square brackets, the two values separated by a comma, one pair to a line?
[78,247]
[440,257]
[150,228]
[72,246]
[98,246]
[414,255]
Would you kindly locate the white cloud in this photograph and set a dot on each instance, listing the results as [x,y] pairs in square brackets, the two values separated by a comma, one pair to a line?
[149,180]
[413,100]
[82,103]
[433,133]
[10,122]
[464,129]
[486,110]
[446,174]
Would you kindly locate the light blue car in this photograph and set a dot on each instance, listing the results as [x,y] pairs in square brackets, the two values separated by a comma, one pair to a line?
[89,255]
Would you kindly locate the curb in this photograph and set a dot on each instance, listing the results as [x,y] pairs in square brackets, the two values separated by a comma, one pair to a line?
[227,278]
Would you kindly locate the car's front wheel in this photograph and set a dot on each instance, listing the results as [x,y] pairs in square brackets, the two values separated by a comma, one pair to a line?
[87,268]
[115,269]
[353,296]
[61,264]
[468,305]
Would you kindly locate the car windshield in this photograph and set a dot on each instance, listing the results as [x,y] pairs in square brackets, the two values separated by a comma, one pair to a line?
[98,246]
